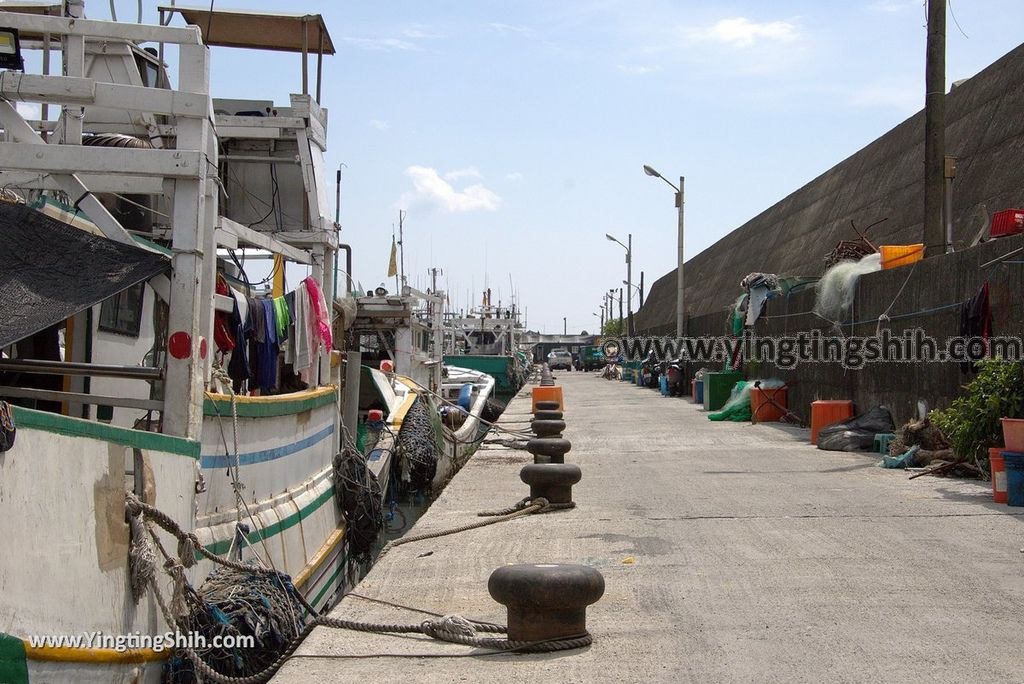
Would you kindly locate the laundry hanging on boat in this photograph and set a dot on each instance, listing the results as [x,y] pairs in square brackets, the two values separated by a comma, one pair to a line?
[266,351]
[223,336]
[262,328]
[301,349]
[238,365]
[282,317]
[319,308]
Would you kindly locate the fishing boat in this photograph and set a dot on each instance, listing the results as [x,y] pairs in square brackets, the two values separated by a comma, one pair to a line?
[488,340]
[398,340]
[144,452]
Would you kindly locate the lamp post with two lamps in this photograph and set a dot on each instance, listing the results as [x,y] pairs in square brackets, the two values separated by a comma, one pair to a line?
[680,312]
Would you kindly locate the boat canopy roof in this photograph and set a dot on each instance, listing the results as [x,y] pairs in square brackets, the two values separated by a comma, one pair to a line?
[258,30]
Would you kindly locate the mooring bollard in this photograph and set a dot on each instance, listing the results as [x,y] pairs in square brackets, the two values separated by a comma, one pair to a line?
[553,449]
[547,428]
[546,601]
[552,481]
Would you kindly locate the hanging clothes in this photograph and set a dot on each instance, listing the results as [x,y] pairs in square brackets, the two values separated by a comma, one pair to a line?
[301,349]
[322,318]
[267,350]
[283,318]
[976,321]
[238,365]
[222,330]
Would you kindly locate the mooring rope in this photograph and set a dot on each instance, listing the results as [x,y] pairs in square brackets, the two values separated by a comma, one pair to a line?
[450,628]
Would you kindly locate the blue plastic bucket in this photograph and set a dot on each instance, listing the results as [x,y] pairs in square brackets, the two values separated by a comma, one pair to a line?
[663,385]
[700,392]
[1014,477]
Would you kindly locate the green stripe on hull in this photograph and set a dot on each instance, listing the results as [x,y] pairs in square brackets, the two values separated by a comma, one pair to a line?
[13,665]
[341,566]
[267,409]
[76,427]
[221,547]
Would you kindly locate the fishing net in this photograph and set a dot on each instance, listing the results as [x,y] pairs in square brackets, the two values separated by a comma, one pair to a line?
[359,494]
[235,603]
[835,290]
[737,408]
[417,448]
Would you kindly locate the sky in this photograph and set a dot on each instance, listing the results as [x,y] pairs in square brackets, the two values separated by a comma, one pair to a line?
[513,134]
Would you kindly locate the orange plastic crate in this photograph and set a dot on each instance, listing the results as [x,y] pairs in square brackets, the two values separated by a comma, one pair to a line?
[828,411]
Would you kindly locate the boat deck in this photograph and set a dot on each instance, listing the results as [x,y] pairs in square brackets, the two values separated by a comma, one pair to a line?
[731,553]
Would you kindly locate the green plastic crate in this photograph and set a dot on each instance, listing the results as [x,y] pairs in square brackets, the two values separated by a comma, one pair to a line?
[718,387]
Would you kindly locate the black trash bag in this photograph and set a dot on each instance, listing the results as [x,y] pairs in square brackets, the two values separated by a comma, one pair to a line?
[858,433]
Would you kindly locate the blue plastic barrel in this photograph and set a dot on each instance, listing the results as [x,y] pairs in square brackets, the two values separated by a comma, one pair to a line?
[465,396]
[1014,477]
[700,392]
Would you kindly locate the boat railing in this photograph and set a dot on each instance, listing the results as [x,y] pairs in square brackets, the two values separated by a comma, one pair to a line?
[60,368]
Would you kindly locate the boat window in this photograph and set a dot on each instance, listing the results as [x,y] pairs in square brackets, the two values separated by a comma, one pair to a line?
[122,313]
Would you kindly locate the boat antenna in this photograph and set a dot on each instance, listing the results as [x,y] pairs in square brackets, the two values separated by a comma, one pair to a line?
[401,245]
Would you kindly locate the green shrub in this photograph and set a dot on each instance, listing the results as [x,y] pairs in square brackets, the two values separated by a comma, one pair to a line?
[971,423]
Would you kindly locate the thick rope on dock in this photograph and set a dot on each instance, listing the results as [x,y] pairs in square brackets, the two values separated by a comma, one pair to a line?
[269,584]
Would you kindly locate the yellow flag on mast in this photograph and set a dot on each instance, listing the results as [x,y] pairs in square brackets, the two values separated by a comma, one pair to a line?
[393,264]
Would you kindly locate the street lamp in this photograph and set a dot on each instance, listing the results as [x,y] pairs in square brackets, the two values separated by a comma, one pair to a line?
[679,268]
[629,278]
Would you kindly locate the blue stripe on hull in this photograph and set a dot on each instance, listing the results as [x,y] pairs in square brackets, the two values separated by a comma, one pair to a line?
[223,461]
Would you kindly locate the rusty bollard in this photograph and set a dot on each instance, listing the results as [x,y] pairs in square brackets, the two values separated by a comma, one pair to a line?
[546,601]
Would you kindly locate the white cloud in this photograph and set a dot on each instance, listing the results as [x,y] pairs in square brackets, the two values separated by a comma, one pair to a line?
[498,27]
[636,70]
[742,32]
[513,176]
[430,189]
[420,33]
[383,44]
[379,124]
[470,172]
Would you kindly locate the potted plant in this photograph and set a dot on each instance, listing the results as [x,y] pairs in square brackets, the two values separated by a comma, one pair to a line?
[973,422]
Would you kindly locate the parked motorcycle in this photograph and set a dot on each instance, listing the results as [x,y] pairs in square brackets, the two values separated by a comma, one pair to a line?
[675,378]
[650,370]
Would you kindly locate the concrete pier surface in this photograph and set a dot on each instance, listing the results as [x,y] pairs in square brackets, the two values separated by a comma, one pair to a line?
[731,552]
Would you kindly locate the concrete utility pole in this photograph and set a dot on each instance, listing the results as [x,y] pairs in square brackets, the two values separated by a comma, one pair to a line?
[629,284]
[680,201]
[933,233]
[680,260]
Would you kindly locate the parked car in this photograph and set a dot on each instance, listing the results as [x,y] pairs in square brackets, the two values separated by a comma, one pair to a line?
[560,358]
